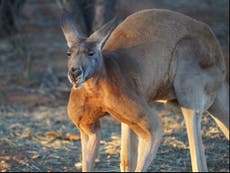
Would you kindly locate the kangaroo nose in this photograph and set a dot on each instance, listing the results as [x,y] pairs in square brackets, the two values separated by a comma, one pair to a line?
[76,72]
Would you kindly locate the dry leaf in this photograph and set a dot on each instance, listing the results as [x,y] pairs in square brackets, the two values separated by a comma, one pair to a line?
[4,166]
[53,134]
[71,136]
[26,133]
[35,156]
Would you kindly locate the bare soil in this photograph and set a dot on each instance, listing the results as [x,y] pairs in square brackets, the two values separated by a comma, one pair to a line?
[44,139]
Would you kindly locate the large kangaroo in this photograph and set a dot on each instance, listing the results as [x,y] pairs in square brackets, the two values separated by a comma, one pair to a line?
[153,54]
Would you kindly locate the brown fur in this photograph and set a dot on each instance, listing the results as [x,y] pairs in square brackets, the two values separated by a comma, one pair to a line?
[151,55]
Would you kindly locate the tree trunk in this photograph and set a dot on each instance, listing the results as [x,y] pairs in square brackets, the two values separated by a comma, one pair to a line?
[104,11]
[9,10]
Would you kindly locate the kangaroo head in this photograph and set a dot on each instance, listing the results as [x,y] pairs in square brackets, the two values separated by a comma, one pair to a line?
[85,54]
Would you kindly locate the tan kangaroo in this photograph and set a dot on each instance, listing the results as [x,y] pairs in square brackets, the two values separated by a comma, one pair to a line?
[153,54]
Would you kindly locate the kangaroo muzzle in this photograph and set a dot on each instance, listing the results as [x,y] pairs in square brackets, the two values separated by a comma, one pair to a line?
[76,76]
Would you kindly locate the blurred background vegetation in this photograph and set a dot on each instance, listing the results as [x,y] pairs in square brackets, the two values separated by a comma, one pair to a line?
[32,46]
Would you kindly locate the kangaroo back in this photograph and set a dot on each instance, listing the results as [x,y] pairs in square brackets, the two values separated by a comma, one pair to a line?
[150,37]
[159,25]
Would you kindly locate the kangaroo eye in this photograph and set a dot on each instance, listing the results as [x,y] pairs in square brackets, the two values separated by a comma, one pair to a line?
[90,53]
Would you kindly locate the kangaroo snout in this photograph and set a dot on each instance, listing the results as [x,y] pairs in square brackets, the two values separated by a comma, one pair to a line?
[75,75]
[75,72]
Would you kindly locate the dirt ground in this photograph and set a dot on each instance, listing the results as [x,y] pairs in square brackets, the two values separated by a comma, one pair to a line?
[37,135]
[42,138]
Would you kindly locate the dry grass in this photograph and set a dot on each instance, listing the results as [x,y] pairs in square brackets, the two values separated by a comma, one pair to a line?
[44,139]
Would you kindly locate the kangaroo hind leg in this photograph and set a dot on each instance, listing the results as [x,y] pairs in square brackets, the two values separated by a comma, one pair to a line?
[195,92]
[220,109]
[192,102]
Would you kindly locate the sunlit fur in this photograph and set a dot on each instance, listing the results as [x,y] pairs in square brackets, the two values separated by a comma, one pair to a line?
[152,55]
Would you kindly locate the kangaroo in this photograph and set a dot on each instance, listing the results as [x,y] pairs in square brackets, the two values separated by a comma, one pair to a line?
[152,55]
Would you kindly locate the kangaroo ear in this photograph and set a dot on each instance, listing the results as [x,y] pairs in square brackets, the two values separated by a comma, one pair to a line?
[101,43]
[69,29]
[100,36]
